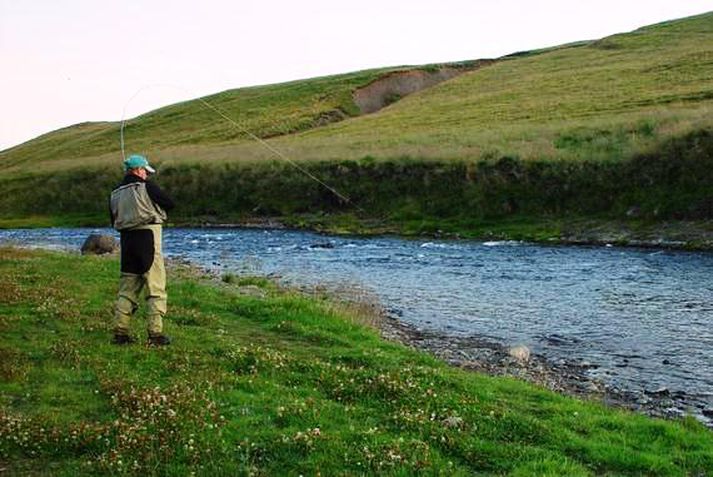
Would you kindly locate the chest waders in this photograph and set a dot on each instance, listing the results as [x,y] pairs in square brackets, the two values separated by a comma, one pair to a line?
[138,218]
[142,269]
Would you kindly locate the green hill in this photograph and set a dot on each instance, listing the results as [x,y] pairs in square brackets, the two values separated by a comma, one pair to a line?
[266,111]
[612,130]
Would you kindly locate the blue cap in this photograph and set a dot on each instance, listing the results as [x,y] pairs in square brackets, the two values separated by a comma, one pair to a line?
[136,161]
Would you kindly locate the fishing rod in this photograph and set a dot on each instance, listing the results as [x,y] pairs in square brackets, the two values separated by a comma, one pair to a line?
[273,150]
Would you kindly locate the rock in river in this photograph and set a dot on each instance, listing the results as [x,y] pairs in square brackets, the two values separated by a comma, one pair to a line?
[322,245]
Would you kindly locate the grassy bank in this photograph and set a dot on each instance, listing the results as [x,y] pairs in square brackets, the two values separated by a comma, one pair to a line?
[641,198]
[263,381]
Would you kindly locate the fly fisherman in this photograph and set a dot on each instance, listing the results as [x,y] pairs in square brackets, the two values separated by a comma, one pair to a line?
[137,212]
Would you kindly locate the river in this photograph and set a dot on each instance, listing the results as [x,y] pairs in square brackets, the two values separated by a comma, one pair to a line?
[642,317]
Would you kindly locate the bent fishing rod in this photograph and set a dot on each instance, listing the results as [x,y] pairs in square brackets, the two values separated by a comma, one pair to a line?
[240,127]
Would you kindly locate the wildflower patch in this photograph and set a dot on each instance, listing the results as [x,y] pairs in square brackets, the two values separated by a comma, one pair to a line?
[152,426]
[254,359]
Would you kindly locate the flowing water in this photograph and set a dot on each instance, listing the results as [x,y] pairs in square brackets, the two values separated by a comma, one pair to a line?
[642,317]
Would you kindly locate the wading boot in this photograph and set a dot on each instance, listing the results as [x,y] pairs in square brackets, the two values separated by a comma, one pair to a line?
[159,340]
[120,339]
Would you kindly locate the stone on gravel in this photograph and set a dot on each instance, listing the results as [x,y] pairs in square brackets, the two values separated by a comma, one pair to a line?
[520,352]
[98,244]
[673,412]
[663,391]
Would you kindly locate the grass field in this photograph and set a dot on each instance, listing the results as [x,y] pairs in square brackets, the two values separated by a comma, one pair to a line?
[590,130]
[265,381]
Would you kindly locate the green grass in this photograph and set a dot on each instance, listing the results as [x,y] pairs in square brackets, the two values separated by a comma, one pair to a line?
[277,383]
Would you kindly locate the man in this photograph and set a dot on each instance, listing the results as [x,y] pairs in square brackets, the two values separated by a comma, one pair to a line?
[138,208]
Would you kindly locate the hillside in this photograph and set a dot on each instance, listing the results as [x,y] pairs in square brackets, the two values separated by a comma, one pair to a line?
[266,111]
[613,129]
[265,381]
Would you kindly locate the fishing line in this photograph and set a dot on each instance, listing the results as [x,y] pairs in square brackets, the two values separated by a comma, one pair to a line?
[242,129]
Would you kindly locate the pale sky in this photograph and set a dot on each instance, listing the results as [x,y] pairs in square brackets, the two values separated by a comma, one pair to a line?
[69,61]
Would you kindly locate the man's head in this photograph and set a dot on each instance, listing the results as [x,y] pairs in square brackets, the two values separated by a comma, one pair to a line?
[137,165]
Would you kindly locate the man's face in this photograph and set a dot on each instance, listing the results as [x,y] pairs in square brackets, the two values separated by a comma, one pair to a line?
[140,172]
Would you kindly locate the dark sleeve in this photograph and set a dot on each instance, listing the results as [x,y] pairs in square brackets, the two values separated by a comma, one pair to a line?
[159,196]
[111,214]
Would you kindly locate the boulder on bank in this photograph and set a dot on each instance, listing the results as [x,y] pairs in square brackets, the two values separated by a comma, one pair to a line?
[98,244]
[520,352]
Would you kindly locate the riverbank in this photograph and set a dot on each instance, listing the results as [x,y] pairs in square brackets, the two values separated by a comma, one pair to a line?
[265,381]
[672,235]
[568,377]
[660,198]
